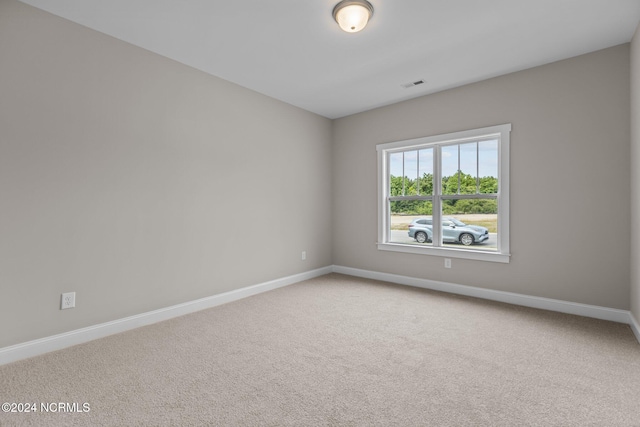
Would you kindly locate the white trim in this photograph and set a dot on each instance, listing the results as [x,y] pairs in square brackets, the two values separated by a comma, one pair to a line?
[446,137]
[597,312]
[79,336]
[635,326]
[383,215]
[445,252]
[504,158]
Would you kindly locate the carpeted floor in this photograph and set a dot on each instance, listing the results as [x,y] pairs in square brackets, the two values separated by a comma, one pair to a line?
[342,351]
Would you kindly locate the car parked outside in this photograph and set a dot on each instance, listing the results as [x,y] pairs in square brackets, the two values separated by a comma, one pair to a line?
[453,231]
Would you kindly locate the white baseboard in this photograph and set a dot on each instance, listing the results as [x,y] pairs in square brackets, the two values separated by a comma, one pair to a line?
[79,336]
[635,326]
[604,313]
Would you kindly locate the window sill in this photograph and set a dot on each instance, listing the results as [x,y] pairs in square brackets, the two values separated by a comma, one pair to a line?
[446,252]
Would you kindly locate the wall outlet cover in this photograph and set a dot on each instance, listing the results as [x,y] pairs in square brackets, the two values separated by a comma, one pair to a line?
[68,300]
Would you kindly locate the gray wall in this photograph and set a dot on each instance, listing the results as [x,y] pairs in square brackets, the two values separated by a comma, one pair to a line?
[635,175]
[570,179]
[141,183]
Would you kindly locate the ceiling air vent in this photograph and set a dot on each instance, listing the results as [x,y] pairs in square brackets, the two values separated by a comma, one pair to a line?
[412,84]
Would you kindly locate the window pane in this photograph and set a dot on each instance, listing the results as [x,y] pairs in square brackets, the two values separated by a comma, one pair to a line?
[449,169]
[408,222]
[469,168]
[410,173]
[488,166]
[470,223]
[425,171]
[396,182]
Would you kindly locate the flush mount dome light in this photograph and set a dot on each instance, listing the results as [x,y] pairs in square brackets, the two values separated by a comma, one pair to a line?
[353,15]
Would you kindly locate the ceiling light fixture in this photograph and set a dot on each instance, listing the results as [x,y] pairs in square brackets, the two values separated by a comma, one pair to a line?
[353,15]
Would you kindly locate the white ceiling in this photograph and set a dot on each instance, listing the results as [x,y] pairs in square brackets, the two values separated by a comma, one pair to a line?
[294,51]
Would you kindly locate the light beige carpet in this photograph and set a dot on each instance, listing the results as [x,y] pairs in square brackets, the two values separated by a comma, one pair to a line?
[336,351]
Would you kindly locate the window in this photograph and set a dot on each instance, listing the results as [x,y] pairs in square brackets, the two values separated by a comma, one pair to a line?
[458,182]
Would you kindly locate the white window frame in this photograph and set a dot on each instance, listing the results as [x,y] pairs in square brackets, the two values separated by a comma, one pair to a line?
[499,132]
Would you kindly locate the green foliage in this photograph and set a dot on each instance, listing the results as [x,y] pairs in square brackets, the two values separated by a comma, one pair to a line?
[488,185]
[411,186]
[467,184]
[469,206]
[412,207]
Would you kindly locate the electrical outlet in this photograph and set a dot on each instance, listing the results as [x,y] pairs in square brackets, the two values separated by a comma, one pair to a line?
[68,300]
[304,255]
[447,263]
